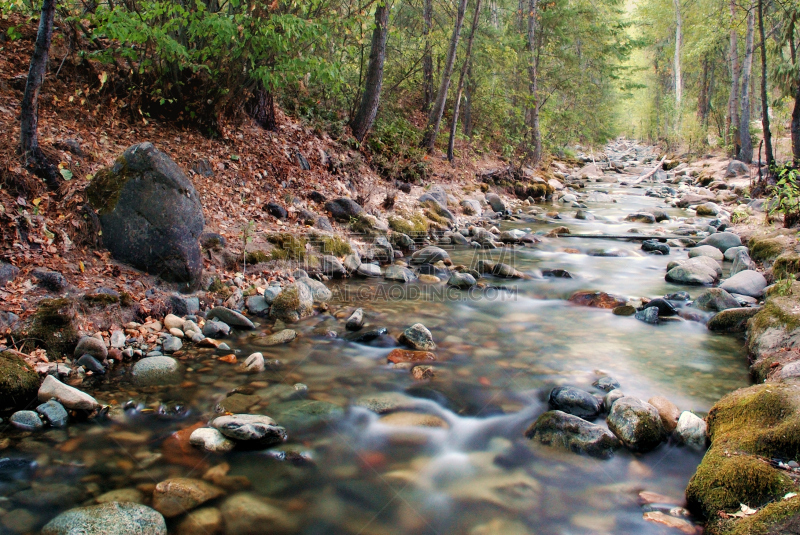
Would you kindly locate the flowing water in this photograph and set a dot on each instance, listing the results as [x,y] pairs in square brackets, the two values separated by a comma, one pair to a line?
[499,353]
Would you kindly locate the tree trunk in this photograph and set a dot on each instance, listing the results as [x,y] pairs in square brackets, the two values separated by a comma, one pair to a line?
[427,59]
[796,126]
[261,107]
[534,152]
[732,122]
[469,91]
[435,117]
[677,60]
[368,109]
[32,155]
[746,149]
[702,95]
[462,76]
[770,158]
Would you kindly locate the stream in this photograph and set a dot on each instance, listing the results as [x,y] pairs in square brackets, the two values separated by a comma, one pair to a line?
[499,352]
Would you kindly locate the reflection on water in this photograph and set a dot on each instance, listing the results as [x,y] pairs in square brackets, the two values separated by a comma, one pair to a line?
[498,355]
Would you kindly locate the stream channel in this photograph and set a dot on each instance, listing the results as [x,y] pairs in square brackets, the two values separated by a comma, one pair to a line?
[498,355]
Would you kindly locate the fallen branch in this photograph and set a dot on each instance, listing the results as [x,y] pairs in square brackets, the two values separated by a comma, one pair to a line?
[651,173]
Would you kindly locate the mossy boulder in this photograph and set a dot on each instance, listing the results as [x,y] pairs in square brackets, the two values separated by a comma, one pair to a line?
[53,326]
[150,214]
[294,303]
[747,428]
[788,263]
[767,249]
[776,326]
[288,247]
[778,518]
[19,383]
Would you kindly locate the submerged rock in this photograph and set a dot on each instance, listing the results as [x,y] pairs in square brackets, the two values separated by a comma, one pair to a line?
[569,432]
[748,282]
[715,300]
[178,495]
[418,337]
[250,427]
[230,317]
[109,519]
[245,514]
[154,371]
[732,320]
[211,439]
[597,300]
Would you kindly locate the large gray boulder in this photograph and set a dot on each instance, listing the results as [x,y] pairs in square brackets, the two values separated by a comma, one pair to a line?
[294,303]
[715,300]
[697,270]
[343,208]
[747,282]
[569,432]
[722,241]
[150,214]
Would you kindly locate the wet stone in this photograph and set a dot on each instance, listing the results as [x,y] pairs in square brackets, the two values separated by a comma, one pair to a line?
[26,421]
[606,383]
[665,308]
[176,496]
[365,337]
[250,427]
[216,329]
[356,320]
[566,431]
[648,315]
[154,371]
[636,423]
[110,519]
[574,401]
[418,337]
[91,364]
[54,413]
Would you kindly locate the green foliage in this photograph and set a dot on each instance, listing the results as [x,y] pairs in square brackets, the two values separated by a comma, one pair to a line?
[785,196]
[287,247]
[783,286]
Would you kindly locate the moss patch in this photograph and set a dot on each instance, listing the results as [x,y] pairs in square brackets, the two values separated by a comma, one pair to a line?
[287,247]
[102,299]
[436,218]
[106,187]
[746,428]
[414,225]
[19,383]
[768,249]
[256,257]
[52,326]
[333,245]
[786,264]
[780,517]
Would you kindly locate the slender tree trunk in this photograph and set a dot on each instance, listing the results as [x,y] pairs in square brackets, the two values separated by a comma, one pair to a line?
[32,155]
[677,60]
[427,59]
[764,95]
[732,122]
[462,76]
[435,117]
[796,125]
[469,91]
[702,94]
[368,109]
[534,153]
[746,150]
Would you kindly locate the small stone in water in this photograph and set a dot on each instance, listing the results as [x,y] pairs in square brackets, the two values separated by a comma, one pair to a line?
[26,420]
[255,363]
[176,496]
[54,413]
[574,401]
[648,315]
[355,321]
[91,364]
[421,373]
[606,383]
[624,310]
[418,337]
[211,439]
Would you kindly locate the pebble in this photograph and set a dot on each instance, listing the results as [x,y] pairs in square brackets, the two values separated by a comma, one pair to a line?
[255,363]
[91,364]
[26,420]
[178,495]
[54,413]
[418,337]
[249,427]
[112,518]
[158,370]
[356,320]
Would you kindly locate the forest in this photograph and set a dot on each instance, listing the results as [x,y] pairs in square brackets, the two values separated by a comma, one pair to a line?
[527,79]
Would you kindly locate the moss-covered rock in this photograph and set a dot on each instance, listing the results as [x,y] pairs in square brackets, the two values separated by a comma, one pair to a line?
[414,225]
[257,257]
[747,428]
[776,326]
[767,249]
[333,245]
[778,518]
[19,383]
[788,263]
[53,328]
[294,303]
[287,247]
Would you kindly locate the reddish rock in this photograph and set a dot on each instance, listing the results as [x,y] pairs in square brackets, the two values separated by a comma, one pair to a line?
[406,355]
[177,449]
[597,300]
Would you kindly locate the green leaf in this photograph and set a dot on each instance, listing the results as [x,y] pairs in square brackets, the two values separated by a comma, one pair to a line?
[66,173]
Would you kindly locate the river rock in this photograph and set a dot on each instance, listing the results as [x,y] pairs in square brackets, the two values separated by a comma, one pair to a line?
[178,495]
[412,419]
[250,427]
[606,383]
[255,363]
[369,270]
[343,208]
[648,315]
[171,344]
[247,514]
[748,282]
[569,432]
[691,429]
[203,521]
[19,382]
[294,303]
[655,246]
[257,305]
[707,209]
[283,336]
[54,413]
[351,262]
[319,292]
[574,401]
[211,439]
[737,168]
[230,317]
[399,274]
[216,329]
[667,410]
[732,320]
[154,371]
[26,420]
[731,252]
[471,207]
[665,308]
[418,337]
[636,423]
[150,214]
[121,495]
[356,320]
[332,267]
[461,280]
[109,519]
[90,363]
[429,255]
[722,241]
[92,346]
[8,273]
[69,397]
[597,300]
[742,262]
[706,250]
[693,271]
[496,202]
[386,402]
[715,300]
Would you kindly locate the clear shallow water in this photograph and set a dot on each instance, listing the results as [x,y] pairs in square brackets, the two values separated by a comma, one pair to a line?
[498,355]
